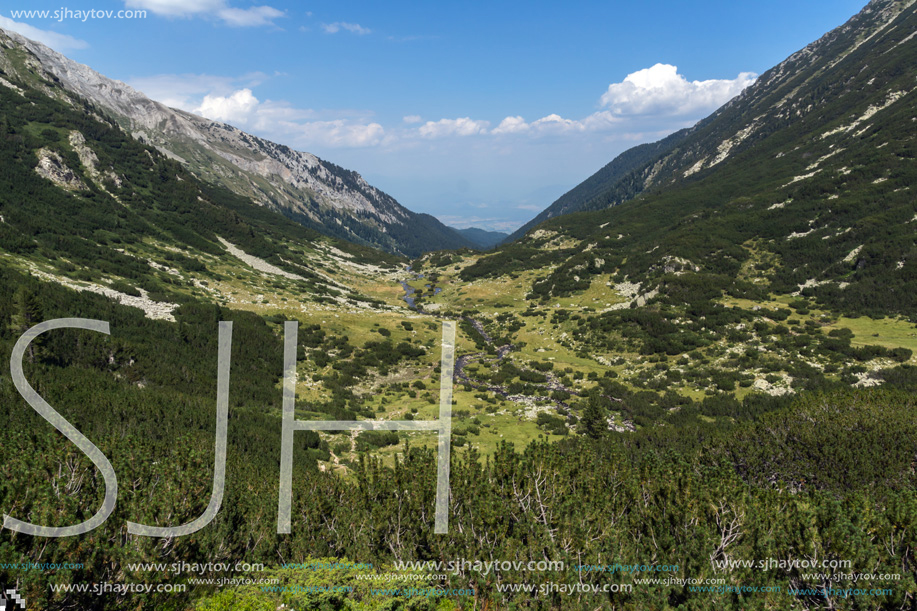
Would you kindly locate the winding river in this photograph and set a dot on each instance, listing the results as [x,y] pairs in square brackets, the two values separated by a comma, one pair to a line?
[461,376]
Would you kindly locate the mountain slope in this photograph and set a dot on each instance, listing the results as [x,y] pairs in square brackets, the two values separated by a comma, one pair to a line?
[801,185]
[609,177]
[84,205]
[314,192]
[798,89]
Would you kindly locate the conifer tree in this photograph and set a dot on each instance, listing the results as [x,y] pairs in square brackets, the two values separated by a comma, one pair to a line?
[593,422]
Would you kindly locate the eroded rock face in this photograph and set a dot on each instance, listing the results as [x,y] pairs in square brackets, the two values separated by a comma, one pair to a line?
[51,166]
[87,156]
[90,162]
[8,84]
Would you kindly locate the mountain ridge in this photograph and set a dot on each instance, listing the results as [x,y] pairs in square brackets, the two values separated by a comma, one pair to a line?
[759,110]
[312,191]
[800,186]
[607,177]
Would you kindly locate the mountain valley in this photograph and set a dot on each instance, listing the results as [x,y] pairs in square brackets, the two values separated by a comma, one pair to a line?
[704,352]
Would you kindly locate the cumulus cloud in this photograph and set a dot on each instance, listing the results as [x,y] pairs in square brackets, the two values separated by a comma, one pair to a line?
[59,42]
[511,125]
[557,123]
[339,133]
[552,123]
[656,94]
[270,114]
[250,17]
[235,17]
[237,107]
[453,127]
[410,119]
[661,91]
[601,121]
[353,28]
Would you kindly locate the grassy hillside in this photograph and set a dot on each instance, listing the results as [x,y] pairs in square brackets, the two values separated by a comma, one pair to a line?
[838,467]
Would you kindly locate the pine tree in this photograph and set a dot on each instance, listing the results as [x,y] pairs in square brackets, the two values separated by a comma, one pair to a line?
[593,423]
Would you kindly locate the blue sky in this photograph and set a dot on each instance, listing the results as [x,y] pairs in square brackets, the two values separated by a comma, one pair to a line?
[481,113]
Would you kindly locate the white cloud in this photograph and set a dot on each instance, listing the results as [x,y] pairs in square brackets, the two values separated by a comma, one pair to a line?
[339,133]
[601,121]
[235,17]
[511,125]
[552,123]
[453,127]
[337,26]
[655,95]
[557,123]
[661,91]
[236,108]
[270,114]
[59,42]
[251,17]
[410,119]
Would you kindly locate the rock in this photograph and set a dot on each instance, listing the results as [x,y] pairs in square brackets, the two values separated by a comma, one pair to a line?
[51,166]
